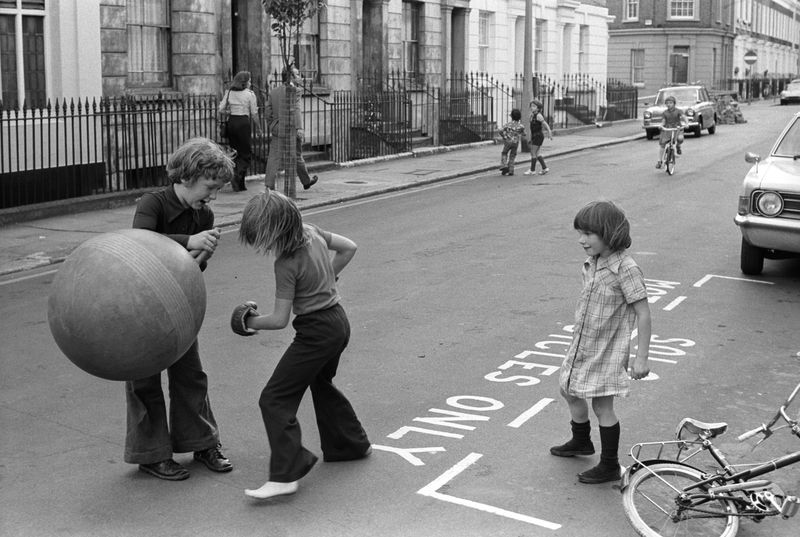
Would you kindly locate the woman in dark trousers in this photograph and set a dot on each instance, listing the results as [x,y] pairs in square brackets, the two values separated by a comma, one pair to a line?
[244,117]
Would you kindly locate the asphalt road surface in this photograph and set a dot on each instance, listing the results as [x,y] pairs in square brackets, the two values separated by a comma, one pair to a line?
[461,299]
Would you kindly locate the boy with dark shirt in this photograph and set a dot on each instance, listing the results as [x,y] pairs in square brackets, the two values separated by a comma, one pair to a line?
[197,169]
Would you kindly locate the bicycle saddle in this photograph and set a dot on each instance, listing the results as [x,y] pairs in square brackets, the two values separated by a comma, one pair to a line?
[709,430]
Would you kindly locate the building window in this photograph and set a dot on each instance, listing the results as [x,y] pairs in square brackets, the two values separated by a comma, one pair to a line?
[411,15]
[631,10]
[637,66]
[306,52]
[22,72]
[681,9]
[583,49]
[148,43]
[538,47]
[484,26]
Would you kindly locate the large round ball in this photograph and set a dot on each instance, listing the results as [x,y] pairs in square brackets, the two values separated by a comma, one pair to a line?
[127,304]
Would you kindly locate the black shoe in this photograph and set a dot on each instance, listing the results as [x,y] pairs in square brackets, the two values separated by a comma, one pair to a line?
[679,150]
[167,469]
[311,183]
[503,170]
[571,449]
[214,459]
[602,473]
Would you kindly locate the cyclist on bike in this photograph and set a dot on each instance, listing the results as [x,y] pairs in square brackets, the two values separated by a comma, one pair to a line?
[672,118]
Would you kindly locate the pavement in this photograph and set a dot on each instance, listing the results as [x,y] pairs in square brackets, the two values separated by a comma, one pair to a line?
[38,243]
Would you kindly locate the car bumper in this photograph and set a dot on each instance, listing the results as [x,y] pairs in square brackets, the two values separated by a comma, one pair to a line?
[770,233]
[790,98]
[654,125]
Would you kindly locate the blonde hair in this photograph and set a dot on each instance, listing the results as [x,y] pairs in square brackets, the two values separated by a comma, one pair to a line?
[271,222]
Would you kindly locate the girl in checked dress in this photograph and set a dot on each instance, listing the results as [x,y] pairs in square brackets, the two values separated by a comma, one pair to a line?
[597,367]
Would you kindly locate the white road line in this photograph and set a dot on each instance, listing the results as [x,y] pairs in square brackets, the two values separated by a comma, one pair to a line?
[707,277]
[29,277]
[672,305]
[431,489]
[531,412]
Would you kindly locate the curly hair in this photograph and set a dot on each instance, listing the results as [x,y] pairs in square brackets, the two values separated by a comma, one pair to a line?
[199,157]
[271,222]
[607,221]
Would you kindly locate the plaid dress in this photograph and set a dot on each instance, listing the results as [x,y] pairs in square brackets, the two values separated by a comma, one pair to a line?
[596,361]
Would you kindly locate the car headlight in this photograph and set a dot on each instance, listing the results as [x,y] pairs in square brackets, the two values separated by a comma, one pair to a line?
[770,203]
[783,93]
[647,114]
[690,112]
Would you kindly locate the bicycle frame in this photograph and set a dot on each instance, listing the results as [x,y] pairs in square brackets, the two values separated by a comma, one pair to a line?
[755,498]
[668,154]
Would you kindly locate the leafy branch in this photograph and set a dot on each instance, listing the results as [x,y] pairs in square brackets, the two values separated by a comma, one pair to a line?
[288,17]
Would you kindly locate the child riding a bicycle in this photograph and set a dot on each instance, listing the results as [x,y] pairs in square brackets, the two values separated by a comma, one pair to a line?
[672,118]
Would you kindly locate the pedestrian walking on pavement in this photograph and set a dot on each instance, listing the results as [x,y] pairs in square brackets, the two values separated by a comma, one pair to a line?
[197,169]
[511,133]
[243,106]
[597,367]
[537,137]
[305,281]
[277,112]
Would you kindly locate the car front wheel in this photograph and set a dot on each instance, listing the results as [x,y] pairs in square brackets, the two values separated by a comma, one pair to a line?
[651,133]
[713,128]
[698,130]
[752,259]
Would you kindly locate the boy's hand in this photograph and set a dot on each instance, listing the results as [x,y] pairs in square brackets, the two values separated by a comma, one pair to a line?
[239,318]
[205,240]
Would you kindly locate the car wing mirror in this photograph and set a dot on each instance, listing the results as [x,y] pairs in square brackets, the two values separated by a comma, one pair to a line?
[752,158]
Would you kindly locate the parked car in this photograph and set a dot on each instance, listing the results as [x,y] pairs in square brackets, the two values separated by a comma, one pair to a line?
[769,202]
[791,94]
[695,102]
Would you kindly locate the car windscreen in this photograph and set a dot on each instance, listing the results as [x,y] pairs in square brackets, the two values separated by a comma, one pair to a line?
[682,95]
[789,145]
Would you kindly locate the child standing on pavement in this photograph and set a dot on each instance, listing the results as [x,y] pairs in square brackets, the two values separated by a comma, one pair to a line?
[305,280]
[537,137]
[596,367]
[511,133]
[672,118]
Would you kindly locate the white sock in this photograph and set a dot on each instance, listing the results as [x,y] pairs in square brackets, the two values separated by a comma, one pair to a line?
[270,489]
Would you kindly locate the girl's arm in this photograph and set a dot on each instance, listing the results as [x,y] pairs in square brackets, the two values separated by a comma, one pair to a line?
[278,319]
[344,250]
[546,126]
[639,369]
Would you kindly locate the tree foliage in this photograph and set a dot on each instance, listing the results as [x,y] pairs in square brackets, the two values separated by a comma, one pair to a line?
[288,17]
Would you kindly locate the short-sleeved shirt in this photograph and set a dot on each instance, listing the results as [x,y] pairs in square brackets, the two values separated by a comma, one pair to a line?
[512,132]
[161,211]
[306,277]
[604,319]
[672,118]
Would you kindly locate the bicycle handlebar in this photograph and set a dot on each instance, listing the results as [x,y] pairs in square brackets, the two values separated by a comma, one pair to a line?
[767,427]
[749,434]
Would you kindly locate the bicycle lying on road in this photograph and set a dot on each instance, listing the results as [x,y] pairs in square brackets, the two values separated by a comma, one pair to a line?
[668,157]
[667,496]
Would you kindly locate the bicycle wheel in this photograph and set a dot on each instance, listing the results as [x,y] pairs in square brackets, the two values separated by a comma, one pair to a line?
[670,160]
[650,503]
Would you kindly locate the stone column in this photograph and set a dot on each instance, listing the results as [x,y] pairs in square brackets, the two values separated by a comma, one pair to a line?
[447,37]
